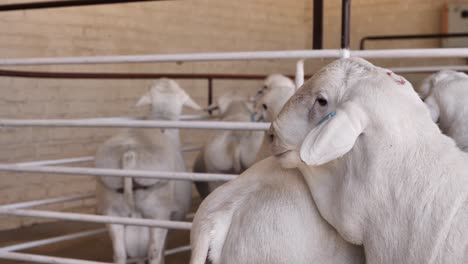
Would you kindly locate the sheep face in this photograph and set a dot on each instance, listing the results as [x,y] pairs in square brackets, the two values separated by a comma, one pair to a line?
[272,97]
[167,99]
[328,114]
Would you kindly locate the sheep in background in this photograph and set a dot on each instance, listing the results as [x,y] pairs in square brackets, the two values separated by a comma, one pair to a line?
[274,94]
[446,95]
[268,103]
[145,149]
[235,151]
[266,216]
[379,169]
[228,151]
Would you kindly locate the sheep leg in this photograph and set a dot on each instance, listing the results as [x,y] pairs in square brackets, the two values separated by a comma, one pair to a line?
[117,234]
[141,262]
[157,245]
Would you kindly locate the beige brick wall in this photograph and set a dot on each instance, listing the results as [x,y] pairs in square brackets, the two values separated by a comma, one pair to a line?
[160,27]
[386,17]
[165,27]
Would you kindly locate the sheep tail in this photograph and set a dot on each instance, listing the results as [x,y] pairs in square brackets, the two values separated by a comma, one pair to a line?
[237,162]
[128,162]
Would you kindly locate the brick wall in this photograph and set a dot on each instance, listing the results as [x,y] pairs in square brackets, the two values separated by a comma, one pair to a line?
[159,27]
[386,17]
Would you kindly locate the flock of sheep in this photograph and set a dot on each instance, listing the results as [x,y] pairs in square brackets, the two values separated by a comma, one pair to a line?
[353,169]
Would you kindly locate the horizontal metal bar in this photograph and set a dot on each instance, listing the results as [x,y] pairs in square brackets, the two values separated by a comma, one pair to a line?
[84,159]
[104,219]
[411,36]
[118,118]
[45,259]
[64,3]
[133,123]
[411,53]
[417,36]
[221,56]
[197,117]
[78,75]
[81,75]
[88,233]
[121,75]
[228,56]
[52,240]
[78,171]
[428,69]
[56,161]
[49,201]
[176,250]
[123,118]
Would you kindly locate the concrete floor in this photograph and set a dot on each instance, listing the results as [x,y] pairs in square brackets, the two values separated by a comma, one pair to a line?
[96,248]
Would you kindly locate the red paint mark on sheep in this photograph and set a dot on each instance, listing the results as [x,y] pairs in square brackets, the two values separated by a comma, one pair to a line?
[400,81]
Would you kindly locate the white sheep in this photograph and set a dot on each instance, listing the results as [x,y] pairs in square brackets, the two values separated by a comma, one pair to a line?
[228,151]
[145,149]
[274,94]
[378,168]
[266,216]
[235,151]
[446,95]
[270,99]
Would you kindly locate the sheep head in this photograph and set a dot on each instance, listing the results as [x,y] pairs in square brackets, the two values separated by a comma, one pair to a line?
[271,98]
[346,100]
[432,81]
[166,99]
[431,87]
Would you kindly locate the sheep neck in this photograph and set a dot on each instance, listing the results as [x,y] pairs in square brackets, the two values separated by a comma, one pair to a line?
[173,134]
[237,108]
[372,201]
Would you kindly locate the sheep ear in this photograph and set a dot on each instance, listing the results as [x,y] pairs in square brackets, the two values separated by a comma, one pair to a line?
[334,137]
[144,100]
[433,108]
[189,102]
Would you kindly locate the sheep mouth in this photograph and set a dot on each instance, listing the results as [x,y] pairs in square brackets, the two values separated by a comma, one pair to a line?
[281,154]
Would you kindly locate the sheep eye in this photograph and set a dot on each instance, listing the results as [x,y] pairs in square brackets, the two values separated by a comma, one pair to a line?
[322,101]
[264,106]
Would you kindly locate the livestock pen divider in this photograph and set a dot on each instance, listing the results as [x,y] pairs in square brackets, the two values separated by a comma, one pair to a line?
[18,209]
[87,233]
[40,166]
[180,124]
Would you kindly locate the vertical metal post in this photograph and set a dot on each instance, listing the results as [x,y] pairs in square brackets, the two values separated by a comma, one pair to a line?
[210,93]
[317,38]
[345,23]
[299,73]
